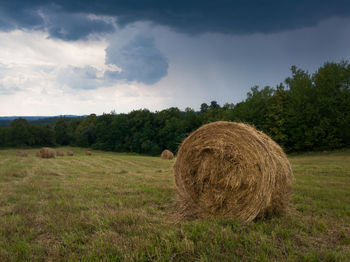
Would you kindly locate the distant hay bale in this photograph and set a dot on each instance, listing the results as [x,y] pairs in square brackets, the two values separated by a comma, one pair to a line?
[47,152]
[70,153]
[58,153]
[88,153]
[166,154]
[21,154]
[231,170]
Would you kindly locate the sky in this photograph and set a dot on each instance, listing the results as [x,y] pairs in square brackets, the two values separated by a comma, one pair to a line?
[60,57]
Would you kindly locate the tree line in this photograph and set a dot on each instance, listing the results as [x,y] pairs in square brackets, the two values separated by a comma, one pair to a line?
[307,112]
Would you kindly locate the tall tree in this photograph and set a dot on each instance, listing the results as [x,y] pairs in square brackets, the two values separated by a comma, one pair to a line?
[19,133]
[85,133]
[276,115]
[204,107]
[61,131]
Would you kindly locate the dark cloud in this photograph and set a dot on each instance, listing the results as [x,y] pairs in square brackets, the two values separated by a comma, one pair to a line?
[139,59]
[58,22]
[190,16]
[74,26]
[14,14]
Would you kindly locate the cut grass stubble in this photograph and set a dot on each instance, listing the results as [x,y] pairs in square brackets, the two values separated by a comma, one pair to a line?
[118,207]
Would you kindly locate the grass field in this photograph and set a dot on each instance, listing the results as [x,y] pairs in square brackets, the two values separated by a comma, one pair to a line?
[118,207]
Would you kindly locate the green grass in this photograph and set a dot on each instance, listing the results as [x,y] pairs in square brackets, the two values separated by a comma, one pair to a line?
[118,207]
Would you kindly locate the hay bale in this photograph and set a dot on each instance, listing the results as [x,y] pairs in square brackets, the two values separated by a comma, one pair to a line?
[166,154]
[70,153]
[58,153]
[21,154]
[47,152]
[231,170]
[88,153]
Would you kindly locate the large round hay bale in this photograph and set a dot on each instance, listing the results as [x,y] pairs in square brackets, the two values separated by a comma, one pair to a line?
[70,153]
[47,152]
[231,170]
[166,154]
[88,153]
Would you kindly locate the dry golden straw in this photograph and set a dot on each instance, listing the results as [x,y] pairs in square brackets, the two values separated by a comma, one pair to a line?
[70,153]
[47,152]
[58,153]
[166,154]
[231,170]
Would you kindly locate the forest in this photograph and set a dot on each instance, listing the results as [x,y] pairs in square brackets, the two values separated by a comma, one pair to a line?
[307,112]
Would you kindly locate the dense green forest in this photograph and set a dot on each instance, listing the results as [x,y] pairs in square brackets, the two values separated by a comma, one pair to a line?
[307,112]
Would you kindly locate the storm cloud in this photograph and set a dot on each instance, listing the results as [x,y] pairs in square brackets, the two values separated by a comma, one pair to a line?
[75,26]
[62,57]
[139,59]
[192,16]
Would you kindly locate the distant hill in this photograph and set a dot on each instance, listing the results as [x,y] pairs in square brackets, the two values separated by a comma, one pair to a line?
[4,122]
[39,120]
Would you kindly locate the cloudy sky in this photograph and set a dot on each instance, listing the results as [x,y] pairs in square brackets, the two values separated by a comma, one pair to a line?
[86,56]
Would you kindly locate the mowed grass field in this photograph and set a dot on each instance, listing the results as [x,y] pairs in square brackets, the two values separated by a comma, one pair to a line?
[118,207]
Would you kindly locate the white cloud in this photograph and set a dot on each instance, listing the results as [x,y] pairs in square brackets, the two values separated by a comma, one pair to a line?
[34,48]
[41,76]
[31,61]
